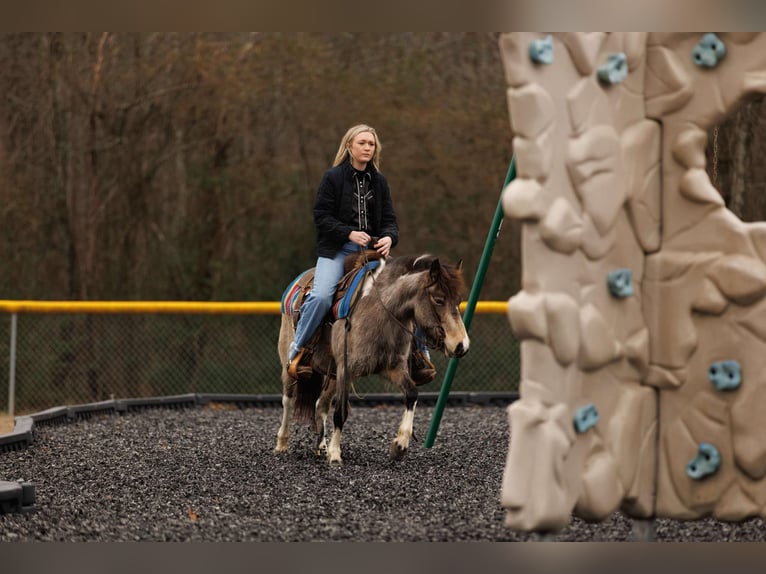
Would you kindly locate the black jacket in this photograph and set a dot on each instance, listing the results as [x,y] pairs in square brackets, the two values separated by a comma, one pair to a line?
[334,212]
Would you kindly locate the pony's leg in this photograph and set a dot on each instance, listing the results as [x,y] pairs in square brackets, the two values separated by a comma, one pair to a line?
[339,418]
[322,409]
[286,334]
[401,443]
[283,434]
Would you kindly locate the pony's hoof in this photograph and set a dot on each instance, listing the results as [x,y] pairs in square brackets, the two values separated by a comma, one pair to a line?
[396,452]
[333,458]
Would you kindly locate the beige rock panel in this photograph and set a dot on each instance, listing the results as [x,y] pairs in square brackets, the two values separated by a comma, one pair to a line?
[616,178]
[642,150]
[637,351]
[754,321]
[562,227]
[538,392]
[587,105]
[563,326]
[668,85]
[632,435]
[748,426]
[664,378]
[602,492]
[549,318]
[594,245]
[695,186]
[598,346]
[735,505]
[741,37]
[516,50]
[533,275]
[595,165]
[705,420]
[534,493]
[547,381]
[741,279]
[710,229]
[757,235]
[524,199]
[526,313]
[671,281]
[755,82]
[583,48]
[533,157]
[709,299]
[634,47]
[532,110]
[689,148]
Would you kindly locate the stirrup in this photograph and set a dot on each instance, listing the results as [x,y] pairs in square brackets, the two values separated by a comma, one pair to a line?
[295,369]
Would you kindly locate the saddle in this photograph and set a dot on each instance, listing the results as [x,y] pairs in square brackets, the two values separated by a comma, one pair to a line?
[356,267]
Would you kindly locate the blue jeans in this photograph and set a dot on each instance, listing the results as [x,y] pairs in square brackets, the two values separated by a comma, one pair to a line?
[326,276]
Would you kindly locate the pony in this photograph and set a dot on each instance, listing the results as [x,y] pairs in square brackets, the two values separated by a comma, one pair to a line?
[403,298]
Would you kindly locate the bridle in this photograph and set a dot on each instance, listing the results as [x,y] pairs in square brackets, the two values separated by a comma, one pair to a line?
[412,332]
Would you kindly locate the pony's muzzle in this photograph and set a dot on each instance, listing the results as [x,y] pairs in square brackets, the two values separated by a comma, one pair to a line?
[461,349]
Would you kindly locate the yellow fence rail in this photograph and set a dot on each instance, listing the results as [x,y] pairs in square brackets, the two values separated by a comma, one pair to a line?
[66,352]
[193,307]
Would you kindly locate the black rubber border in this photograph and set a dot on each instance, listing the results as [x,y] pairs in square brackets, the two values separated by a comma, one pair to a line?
[23,431]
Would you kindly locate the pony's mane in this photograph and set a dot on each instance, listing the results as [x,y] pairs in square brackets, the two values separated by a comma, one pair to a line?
[450,280]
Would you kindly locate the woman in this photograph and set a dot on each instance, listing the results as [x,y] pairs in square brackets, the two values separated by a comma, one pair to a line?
[353,205]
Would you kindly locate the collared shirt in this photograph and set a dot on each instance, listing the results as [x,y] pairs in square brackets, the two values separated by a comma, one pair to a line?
[362,198]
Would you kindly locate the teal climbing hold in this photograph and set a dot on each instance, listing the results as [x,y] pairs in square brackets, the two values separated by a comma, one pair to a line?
[615,70]
[620,283]
[585,418]
[705,463]
[709,51]
[541,50]
[725,375]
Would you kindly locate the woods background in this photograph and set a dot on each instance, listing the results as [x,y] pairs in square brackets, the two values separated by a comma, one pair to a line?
[184,166]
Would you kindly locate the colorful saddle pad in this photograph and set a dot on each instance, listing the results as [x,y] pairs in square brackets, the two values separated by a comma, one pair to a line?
[345,297]
[296,291]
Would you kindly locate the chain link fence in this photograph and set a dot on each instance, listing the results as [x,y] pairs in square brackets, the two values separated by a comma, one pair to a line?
[73,358]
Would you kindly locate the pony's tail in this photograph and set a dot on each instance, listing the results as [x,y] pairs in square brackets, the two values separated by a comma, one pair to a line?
[306,396]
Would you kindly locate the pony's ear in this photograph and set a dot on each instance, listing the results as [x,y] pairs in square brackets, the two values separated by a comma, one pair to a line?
[459,265]
[434,271]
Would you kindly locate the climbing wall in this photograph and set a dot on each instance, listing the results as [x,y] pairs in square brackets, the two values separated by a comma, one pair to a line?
[642,313]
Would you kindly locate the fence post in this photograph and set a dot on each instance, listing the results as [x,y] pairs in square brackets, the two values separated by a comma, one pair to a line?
[12,368]
[489,246]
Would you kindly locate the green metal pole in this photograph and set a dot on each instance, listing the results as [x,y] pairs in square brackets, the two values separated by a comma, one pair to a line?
[470,306]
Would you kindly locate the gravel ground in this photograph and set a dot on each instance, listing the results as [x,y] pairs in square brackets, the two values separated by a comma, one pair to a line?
[209,474]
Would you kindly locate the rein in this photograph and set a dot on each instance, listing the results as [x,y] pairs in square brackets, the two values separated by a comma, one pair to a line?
[412,332]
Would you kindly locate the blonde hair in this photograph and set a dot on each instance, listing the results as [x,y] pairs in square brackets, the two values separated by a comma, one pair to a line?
[352,132]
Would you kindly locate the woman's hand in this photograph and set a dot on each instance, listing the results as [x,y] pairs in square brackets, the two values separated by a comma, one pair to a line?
[383,246]
[359,237]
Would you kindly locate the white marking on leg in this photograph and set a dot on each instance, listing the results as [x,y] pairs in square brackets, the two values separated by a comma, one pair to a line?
[322,446]
[283,434]
[405,428]
[333,450]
